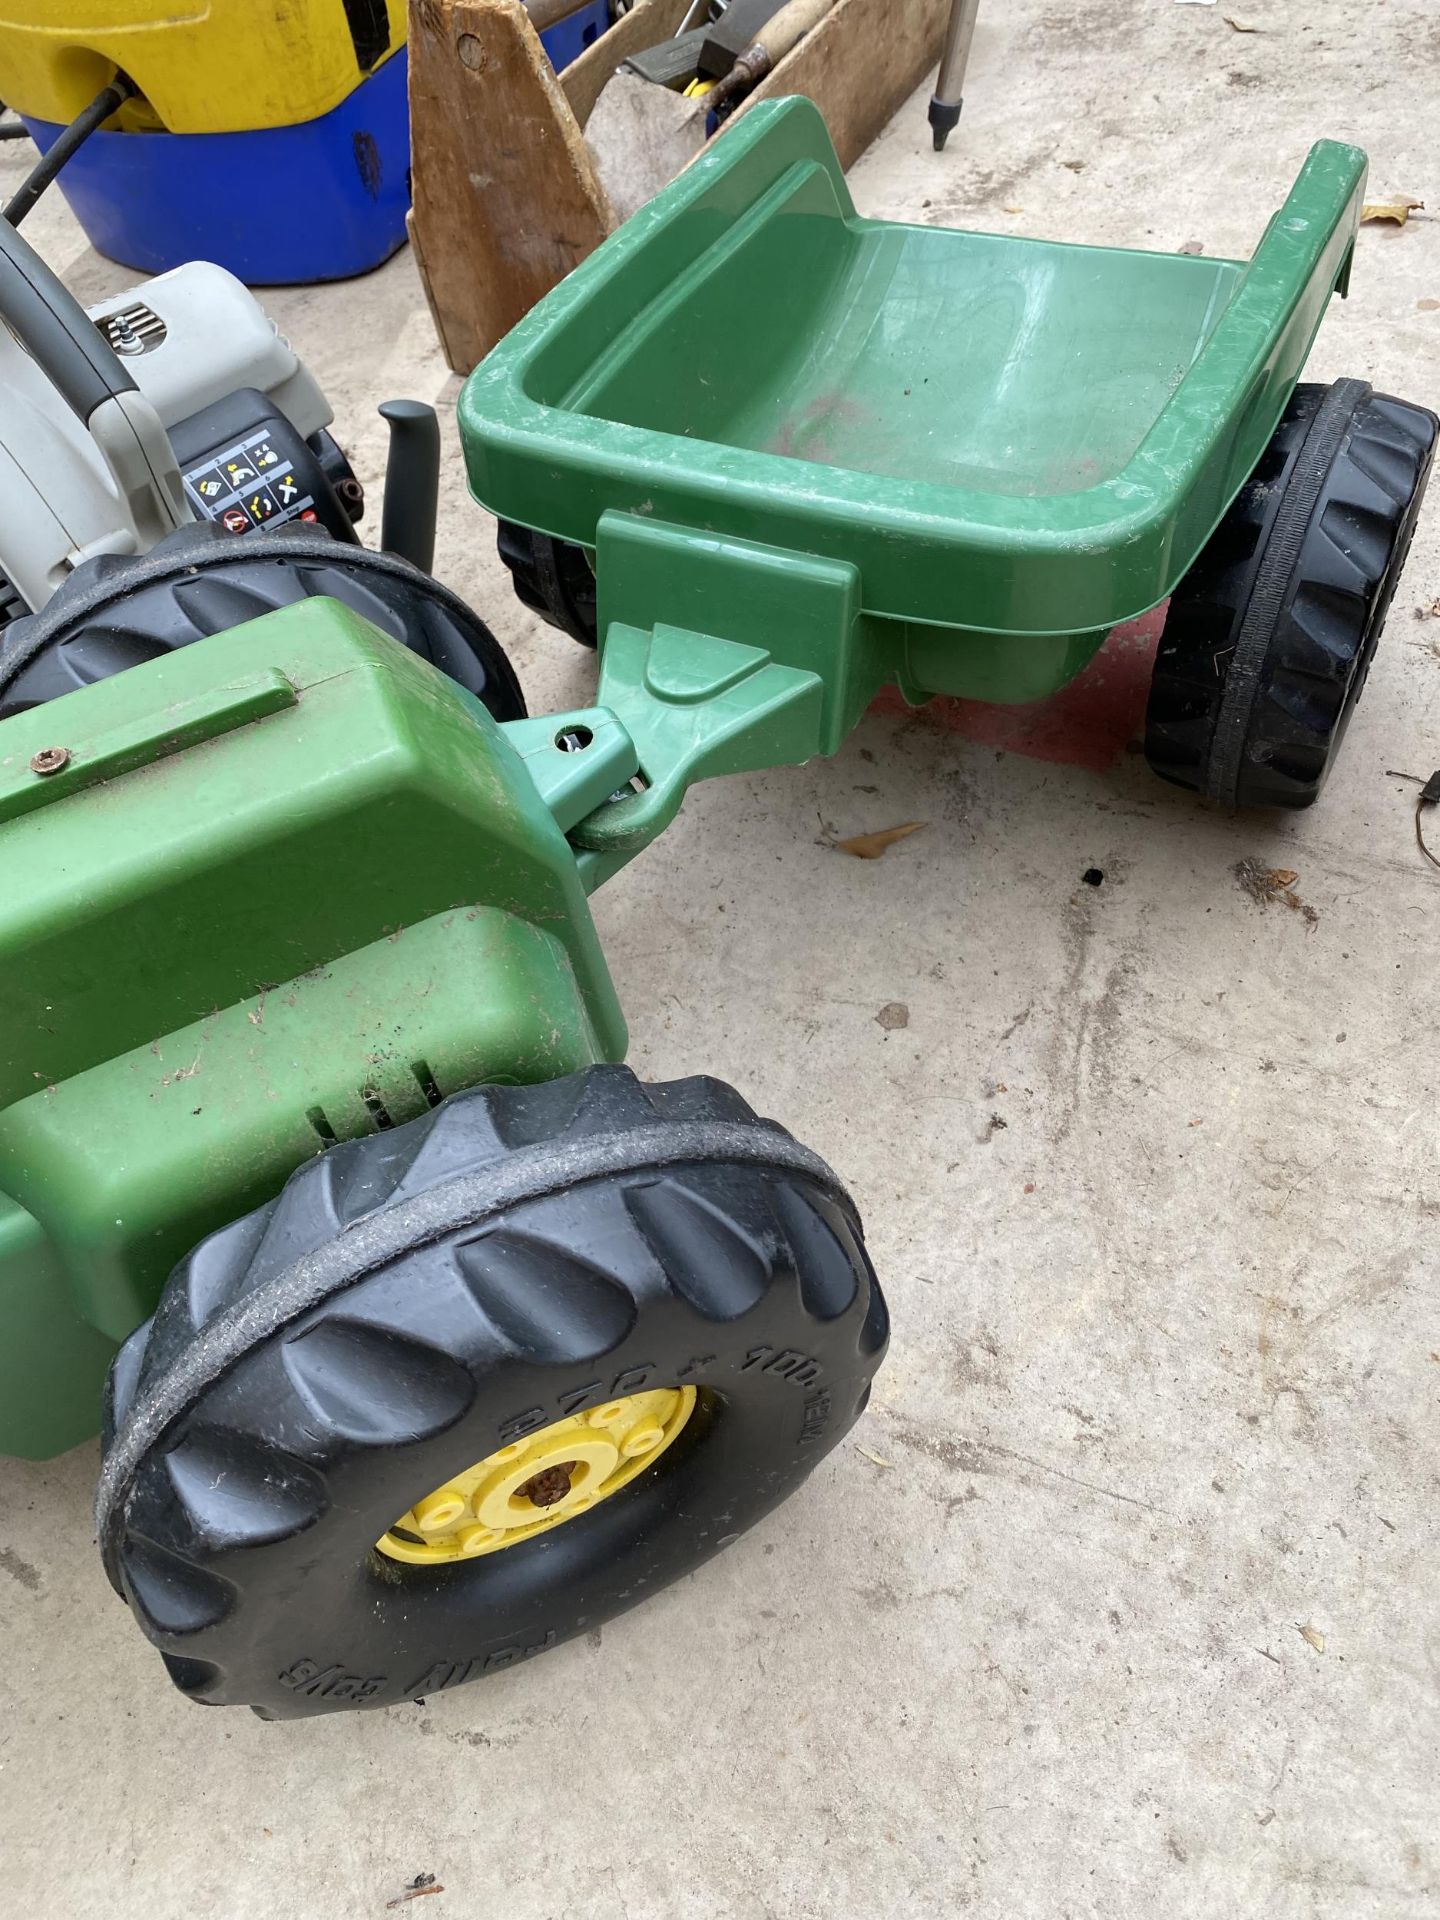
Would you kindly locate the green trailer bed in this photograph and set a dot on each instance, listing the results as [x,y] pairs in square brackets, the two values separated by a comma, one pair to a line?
[856,453]
[1010,435]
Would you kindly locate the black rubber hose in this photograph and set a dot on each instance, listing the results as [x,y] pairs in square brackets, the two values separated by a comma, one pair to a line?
[74,136]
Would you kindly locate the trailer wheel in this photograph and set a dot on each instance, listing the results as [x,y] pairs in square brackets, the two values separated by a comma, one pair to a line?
[476,1384]
[1270,635]
[553,579]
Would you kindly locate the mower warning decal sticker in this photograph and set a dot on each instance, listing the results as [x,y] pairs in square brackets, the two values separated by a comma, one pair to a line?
[227,487]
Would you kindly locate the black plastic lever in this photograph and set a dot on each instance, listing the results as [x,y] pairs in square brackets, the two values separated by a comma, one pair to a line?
[412,482]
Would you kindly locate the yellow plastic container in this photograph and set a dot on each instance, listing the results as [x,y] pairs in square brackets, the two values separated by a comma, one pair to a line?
[202,66]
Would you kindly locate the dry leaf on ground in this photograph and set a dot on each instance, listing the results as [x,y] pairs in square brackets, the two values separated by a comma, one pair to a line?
[871,846]
[1399,210]
[1241,26]
[874,1458]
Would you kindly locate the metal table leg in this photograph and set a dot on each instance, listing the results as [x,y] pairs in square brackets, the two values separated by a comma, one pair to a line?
[946,104]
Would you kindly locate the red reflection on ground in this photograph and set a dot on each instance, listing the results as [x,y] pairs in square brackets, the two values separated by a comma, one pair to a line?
[1087,724]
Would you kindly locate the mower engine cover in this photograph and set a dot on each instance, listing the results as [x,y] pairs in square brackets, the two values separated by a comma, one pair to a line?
[193,340]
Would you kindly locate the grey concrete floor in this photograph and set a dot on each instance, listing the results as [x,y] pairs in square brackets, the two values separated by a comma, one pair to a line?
[1163,1390]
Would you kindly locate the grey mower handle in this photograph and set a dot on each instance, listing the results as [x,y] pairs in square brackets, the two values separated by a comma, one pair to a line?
[61,337]
[80,364]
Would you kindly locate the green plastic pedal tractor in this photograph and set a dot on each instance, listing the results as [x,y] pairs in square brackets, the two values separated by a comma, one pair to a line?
[269,900]
[461,1339]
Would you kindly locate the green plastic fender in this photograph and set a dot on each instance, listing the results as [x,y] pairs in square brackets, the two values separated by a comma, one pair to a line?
[289,885]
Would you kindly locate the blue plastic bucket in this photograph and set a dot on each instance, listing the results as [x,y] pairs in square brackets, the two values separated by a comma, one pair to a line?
[284,205]
[568,39]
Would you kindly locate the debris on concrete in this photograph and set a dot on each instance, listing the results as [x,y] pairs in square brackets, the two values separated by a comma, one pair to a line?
[874,846]
[1398,211]
[422,1884]
[1265,884]
[1428,796]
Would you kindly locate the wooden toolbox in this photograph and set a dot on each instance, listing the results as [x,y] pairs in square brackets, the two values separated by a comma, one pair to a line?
[505,195]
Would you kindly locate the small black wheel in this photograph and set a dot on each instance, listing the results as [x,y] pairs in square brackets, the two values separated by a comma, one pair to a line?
[1270,635]
[553,579]
[479,1383]
[119,610]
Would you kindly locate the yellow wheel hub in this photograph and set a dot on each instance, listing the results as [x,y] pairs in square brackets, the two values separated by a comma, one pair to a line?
[541,1481]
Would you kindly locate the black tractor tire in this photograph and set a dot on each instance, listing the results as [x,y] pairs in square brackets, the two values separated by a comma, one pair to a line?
[553,579]
[418,1298]
[1270,635]
[118,611]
